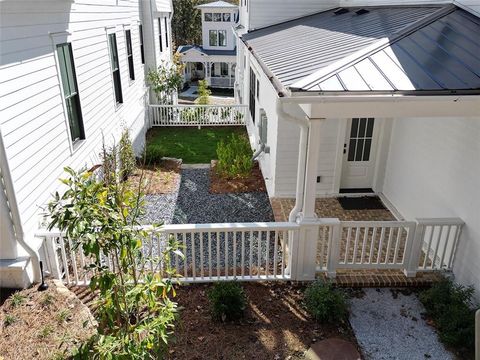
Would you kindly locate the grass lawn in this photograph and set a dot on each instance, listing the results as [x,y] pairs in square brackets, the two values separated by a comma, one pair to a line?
[192,145]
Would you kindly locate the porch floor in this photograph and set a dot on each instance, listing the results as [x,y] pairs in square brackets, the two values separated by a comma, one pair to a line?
[329,208]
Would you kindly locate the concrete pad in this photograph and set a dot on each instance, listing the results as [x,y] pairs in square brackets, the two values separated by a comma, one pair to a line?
[333,349]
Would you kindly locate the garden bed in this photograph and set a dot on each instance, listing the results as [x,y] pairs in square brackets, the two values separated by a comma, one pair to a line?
[159,179]
[275,326]
[222,185]
[43,325]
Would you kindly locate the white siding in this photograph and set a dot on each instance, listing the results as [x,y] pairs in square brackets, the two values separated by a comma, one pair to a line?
[433,171]
[32,118]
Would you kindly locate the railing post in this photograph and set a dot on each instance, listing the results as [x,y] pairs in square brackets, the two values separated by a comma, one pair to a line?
[334,248]
[304,251]
[413,249]
[52,258]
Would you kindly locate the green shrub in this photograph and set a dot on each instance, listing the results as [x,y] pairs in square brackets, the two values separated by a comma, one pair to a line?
[126,155]
[234,157]
[450,306]
[325,303]
[203,93]
[227,300]
[153,155]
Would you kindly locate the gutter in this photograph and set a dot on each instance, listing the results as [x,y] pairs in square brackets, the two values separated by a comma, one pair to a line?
[304,125]
[15,215]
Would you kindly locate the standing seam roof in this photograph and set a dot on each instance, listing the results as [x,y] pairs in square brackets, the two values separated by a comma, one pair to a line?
[295,49]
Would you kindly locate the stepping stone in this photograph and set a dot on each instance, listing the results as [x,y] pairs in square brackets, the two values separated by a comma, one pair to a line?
[333,349]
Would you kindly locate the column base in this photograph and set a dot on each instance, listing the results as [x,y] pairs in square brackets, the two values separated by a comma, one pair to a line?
[16,273]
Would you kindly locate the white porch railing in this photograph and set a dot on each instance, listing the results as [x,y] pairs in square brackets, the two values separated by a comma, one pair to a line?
[222,82]
[267,251]
[197,115]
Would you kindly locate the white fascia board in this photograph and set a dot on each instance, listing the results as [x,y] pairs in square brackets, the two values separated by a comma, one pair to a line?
[388,106]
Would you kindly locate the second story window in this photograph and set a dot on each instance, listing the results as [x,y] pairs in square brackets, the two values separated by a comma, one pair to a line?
[131,68]
[70,91]
[253,83]
[166,32]
[160,34]
[208,17]
[142,51]
[222,38]
[112,41]
[217,17]
[213,38]
[226,17]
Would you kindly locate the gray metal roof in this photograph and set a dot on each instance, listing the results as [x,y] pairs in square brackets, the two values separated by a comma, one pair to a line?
[295,49]
[184,48]
[443,55]
[217,4]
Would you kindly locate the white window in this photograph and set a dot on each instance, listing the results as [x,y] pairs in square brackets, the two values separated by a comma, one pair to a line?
[208,17]
[213,38]
[222,38]
[217,17]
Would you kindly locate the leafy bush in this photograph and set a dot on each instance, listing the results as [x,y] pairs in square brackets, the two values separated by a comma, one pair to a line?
[166,80]
[135,312]
[126,155]
[227,300]
[203,93]
[109,164]
[153,155]
[325,303]
[450,306]
[234,157]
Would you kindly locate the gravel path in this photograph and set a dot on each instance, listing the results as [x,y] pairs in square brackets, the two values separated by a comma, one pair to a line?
[192,203]
[195,205]
[388,325]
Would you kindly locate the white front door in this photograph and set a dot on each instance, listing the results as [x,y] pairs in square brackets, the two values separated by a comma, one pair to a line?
[359,154]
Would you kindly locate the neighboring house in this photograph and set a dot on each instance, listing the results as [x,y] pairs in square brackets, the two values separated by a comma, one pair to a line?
[72,74]
[346,96]
[215,60]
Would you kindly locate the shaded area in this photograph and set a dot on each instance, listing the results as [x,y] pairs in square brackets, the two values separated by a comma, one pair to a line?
[192,145]
[196,205]
[275,326]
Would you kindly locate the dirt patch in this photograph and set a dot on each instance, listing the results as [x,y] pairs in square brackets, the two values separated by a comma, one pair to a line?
[275,326]
[252,183]
[159,179]
[43,325]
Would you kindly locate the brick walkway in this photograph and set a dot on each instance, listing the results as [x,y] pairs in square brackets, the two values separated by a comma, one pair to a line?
[331,208]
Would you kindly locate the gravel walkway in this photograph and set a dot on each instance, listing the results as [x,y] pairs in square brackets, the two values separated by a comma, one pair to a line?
[388,324]
[195,205]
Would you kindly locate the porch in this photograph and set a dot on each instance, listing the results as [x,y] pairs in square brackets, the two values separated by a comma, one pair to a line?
[218,74]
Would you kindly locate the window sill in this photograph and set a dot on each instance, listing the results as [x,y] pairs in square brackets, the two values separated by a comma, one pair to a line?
[77,144]
[118,106]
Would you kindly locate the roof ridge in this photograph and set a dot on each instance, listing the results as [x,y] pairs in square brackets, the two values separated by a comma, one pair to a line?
[344,63]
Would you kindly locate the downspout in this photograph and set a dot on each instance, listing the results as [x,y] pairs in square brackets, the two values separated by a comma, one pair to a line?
[303,123]
[15,215]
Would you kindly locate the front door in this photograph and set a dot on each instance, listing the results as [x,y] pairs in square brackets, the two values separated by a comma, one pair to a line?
[359,154]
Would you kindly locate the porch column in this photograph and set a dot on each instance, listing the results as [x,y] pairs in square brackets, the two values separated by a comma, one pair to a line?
[305,251]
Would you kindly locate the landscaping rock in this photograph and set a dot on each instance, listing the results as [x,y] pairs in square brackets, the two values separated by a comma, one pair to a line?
[333,349]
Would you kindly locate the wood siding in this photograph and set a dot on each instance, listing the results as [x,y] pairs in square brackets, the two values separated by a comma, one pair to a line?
[32,117]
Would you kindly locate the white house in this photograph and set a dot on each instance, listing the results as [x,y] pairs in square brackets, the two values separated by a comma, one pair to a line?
[368,96]
[71,74]
[215,59]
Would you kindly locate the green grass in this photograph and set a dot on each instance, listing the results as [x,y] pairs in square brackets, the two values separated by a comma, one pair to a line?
[193,145]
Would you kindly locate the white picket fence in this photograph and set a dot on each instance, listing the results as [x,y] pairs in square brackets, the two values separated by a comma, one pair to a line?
[268,251]
[197,115]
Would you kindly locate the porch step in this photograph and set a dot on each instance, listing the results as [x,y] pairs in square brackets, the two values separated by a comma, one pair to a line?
[382,278]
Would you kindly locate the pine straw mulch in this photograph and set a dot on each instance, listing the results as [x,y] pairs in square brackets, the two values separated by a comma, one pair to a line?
[275,326]
[221,185]
[43,325]
[160,179]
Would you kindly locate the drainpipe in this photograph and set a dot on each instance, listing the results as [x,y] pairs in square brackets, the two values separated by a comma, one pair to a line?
[303,123]
[15,215]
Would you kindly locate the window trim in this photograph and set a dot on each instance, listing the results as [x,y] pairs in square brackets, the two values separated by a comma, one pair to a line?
[252,94]
[160,42]
[109,32]
[140,36]
[205,17]
[130,57]
[166,32]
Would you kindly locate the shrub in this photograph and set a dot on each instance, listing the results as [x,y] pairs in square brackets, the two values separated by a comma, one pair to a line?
[234,157]
[126,155]
[450,306]
[325,303]
[203,93]
[153,155]
[227,300]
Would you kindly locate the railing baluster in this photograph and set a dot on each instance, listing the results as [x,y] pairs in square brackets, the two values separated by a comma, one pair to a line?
[347,246]
[226,254]
[372,244]
[357,236]
[397,244]
[259,252]
[243,254]
[427,252]
[267,258]
[234,254]
[64,259]
[380,245]
[364,244]
[185,273]
[218,253]
[284,252]
[389,243]
[437,245]
[275,249]
[194,267]
[202,274]
[209,254]
[447,237]
[251,253]
[74,261]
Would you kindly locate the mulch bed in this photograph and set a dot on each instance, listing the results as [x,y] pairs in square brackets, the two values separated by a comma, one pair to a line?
[275,326]
[43,325]
[158,179]
[220,185]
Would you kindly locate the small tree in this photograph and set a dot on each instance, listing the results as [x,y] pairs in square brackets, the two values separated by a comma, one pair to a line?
[126,155]
[166,80]
[203,93]
[135,313]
